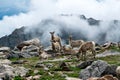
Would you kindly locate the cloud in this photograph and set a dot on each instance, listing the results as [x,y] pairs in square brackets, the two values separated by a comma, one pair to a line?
[38,10]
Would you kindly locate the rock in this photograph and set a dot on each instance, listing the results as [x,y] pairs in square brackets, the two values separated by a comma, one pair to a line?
[49,65]
[30,48]
[39,65]
[64,66]
[34,54]
[111,70]
[94,70]
[34,41]
[26,55]
[30,51]
[84,64]
[14,54]
[19,62]
[71,78]
[4,49]
[2,55]
[36,71]
[118,72]
[46,69]
[7,71]
[5,76]
[36,77]
[5,61]
[20,71]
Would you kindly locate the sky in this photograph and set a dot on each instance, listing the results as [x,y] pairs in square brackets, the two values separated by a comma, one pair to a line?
[17,13]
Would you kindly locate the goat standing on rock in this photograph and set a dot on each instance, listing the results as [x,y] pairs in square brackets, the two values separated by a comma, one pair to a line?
[85,47]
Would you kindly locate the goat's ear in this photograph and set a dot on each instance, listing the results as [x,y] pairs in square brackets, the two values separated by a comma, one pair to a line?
[53,31]
[50,32]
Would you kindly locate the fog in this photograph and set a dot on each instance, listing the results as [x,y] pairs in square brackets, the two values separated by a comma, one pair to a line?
[40,10]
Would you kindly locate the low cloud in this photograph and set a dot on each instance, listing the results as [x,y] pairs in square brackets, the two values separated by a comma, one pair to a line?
[38,10]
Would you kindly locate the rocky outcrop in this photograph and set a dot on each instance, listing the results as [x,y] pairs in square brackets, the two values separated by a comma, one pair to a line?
[7,72]
[4,51]
[94,70]
[18,36]
[31,43]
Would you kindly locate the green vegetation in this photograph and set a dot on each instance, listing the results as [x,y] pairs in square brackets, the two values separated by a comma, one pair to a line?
[112,59]
[56,73]
[18,78]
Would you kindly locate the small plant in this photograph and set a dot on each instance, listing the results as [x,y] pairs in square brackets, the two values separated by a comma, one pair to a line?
[18,78]
[41,72]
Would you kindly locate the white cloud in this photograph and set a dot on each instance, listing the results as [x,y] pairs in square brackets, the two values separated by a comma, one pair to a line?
[40,9]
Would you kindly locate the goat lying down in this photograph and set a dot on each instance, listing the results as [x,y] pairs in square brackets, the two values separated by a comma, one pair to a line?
[68,50]
[85,47]
[106,77]
[43,54]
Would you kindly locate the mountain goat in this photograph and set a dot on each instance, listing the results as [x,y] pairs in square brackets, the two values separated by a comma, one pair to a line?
[85,47]
[55,38]
[74,43]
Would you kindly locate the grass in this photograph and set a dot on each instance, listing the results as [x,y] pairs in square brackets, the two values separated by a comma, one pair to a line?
[18,78]
[55,69]
[112,59]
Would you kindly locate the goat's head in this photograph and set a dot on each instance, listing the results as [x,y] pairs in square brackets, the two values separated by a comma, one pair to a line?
[52,32]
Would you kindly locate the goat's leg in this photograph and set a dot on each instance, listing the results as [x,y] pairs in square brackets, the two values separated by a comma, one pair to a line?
[94,54]
[85,56]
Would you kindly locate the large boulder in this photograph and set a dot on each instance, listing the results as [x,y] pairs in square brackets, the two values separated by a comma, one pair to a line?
[14,54]
[7,72]
[34,41]
[5,61]
[94,70]
[111,70]
[4,51]
[30,48]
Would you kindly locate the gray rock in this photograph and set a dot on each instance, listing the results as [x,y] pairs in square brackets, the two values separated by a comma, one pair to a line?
[84,64]
[5,61]
[111,70]
[49,65]
[35,54]
[8,72]
[96,69]
[26,55]
[20,71]
[19,62]
[4,49]
[34,41]
[39,65]
[30,48]
[46,69]
[14,54]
